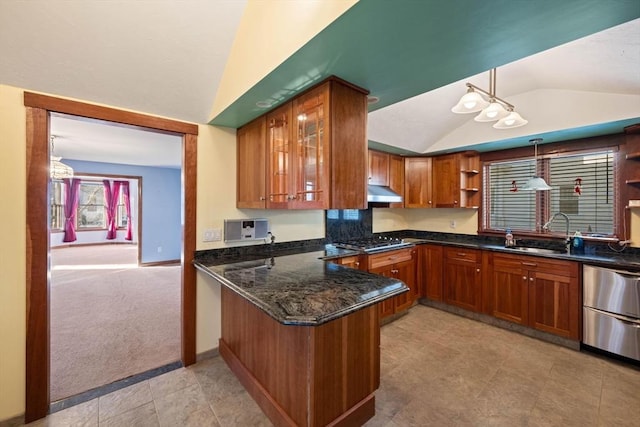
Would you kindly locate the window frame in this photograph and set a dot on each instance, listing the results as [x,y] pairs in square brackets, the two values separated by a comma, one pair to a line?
[557,149]
[120,208]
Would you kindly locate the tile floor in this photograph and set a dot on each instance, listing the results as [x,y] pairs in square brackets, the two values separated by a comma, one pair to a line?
[438,369]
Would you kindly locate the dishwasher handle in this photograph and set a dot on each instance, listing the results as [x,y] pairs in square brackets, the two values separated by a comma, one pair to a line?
[629,321]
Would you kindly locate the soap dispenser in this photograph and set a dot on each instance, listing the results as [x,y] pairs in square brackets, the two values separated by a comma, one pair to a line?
[578,243]
[508,239]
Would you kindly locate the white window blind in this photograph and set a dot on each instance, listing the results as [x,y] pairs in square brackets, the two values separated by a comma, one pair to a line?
[583,188]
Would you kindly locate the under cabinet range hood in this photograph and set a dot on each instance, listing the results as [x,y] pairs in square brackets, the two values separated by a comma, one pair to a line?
[382,194]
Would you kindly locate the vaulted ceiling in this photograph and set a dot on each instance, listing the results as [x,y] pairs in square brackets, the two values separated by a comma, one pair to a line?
[579,57]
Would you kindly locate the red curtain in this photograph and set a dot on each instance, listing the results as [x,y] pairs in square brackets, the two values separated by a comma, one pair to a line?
[111,204]
[71,186]
[127,206]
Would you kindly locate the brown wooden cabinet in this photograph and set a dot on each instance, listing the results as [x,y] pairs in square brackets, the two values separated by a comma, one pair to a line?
[396,178]
[251,177]
[280,185]
[351,261]
[378,167]
[537,292]
[315,149]
[399,264]
[462,278]
[388,170]
[457,180]
[418,191]
[303,375]
[430,266]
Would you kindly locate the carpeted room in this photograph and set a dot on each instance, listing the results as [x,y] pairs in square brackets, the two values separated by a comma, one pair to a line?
[110,318]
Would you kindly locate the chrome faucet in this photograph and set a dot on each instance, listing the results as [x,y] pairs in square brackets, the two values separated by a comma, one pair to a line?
[567,241]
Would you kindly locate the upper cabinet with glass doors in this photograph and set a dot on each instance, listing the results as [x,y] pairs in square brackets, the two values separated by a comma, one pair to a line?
[316,152]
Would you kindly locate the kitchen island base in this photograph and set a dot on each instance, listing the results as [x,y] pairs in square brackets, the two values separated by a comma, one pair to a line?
[300,375]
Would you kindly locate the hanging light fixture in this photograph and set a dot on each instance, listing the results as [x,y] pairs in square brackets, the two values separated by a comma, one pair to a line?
[491,109]
[57,169]
[536,183]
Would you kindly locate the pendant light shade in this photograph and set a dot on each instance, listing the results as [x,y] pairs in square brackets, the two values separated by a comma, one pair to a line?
[495,111]
[513,120]
[471,102]
[536,183]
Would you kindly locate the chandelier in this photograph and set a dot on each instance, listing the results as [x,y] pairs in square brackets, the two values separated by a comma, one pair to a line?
[490,106]
[57,169]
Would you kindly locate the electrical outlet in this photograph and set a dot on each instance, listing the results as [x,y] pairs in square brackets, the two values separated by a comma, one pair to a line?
[452,223]
[212,235]
[159,249]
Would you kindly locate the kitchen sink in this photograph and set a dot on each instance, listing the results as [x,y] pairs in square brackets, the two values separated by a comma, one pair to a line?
[538,250]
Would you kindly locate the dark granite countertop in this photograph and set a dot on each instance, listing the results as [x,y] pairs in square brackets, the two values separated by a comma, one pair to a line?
[629,259]
[297,286]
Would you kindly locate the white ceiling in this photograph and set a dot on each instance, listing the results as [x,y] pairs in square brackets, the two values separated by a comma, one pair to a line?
[98,141]
[167,58]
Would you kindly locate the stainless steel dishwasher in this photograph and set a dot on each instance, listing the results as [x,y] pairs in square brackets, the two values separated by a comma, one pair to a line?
[611,311]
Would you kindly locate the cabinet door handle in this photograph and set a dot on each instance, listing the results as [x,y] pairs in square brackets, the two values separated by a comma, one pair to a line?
[391,258]
[262,198]
[530,264]
[461,254]
[429,202]
[357,264]
[531,279]
[477,270]
[455,202]
[524,277]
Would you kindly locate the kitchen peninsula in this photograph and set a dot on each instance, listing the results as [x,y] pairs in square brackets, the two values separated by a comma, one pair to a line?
[302,334]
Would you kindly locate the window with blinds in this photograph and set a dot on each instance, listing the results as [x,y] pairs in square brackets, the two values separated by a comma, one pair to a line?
[583,187]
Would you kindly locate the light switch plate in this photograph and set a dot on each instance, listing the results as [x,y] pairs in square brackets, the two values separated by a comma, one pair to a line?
[212,235]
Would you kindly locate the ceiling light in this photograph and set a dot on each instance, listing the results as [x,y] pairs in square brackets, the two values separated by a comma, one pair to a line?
[536,183]
[57,169]
[495,111]
[513,120]
[492,108]
[470,102]
[372,99]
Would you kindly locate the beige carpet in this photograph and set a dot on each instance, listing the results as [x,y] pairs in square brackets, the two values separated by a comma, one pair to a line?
[109,318]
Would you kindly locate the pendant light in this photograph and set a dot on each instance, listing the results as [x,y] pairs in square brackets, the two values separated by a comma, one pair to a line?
[471,102]
[491,109]
[57,169]
[536,183]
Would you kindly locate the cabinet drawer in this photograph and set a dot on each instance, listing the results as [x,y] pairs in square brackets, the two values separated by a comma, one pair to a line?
[525,262]
[389,258]
[462,254]
[349,261]
[507,262]
[558,268]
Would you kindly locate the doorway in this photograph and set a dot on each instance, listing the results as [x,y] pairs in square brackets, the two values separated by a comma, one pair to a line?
[107,309]
[38,109]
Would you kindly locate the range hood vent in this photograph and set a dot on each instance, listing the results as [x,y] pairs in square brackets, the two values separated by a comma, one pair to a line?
[382,194]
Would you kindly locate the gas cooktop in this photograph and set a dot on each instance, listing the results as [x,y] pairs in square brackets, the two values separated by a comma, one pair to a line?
[373,244]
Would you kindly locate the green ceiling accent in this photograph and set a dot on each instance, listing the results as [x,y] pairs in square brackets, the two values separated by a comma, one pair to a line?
[379,146]
[609,128]
[400,49]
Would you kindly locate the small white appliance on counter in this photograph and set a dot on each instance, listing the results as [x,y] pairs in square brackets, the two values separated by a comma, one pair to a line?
[611,311]
[245,229]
